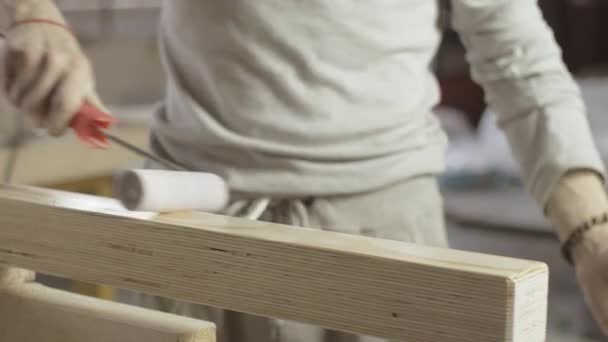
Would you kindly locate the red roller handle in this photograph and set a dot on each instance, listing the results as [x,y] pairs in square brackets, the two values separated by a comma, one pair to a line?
[88,124]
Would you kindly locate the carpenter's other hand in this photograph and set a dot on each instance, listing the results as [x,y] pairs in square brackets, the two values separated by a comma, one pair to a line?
[47,75]
[591,261]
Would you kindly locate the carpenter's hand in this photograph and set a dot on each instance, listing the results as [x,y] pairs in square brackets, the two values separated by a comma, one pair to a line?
[47,75]
[591,262]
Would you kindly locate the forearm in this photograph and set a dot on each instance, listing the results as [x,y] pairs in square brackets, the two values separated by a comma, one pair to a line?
[515,57]
[577,197]
[17,10]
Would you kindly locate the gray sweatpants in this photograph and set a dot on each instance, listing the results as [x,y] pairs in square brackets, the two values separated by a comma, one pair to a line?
[409,211]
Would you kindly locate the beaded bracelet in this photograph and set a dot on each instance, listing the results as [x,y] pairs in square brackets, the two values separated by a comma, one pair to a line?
[579,233]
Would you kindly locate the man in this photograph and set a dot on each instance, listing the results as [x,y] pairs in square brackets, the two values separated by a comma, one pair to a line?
[325,106]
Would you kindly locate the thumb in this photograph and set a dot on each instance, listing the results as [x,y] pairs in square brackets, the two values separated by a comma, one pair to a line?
[94,99]
[63,121]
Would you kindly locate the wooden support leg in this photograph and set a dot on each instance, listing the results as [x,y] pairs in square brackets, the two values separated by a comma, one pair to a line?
[30,312]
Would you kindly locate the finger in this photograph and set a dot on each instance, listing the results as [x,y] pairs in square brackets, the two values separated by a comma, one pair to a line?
[96,102]
[24,65]
[66,99]
[12,61]
[97,138]
[34,98]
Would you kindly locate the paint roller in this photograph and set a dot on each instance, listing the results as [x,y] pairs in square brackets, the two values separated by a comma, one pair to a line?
[165,191]
[176,189]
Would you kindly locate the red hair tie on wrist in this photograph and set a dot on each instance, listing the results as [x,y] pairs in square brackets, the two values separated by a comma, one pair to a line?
[39,21]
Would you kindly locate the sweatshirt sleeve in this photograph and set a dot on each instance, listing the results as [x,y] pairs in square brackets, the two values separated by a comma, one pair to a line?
[514,56]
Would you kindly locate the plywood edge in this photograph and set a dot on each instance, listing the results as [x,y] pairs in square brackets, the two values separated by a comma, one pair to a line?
[74,308]
[528,317]
[475,263]
[441,258]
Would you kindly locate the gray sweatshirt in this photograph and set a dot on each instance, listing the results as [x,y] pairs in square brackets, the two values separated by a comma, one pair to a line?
[319,97]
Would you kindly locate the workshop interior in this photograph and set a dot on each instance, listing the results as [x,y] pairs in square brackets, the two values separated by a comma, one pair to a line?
[486,205]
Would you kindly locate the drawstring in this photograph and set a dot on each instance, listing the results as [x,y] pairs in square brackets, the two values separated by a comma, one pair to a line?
[257,208]
[294,211]
[253,209]
[288,211]
[300,217]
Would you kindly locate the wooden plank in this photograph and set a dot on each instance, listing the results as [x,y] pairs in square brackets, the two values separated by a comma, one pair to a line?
[351,283]
[31,312]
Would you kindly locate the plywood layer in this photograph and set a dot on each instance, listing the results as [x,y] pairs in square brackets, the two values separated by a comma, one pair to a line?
[351,283]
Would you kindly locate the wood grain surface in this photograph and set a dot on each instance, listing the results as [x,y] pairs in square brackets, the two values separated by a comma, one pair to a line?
[344,282]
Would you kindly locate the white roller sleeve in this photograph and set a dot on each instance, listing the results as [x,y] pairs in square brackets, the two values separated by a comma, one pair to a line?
[165,191]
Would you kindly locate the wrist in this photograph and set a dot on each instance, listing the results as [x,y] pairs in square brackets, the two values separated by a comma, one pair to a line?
[41,21]
[591,244]
[578,197]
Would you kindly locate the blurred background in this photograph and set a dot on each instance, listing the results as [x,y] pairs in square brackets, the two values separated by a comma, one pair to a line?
[486,207]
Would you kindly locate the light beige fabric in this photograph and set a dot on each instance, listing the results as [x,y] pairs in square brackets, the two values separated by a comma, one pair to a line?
[409,211]
[514,56]
[319,97]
